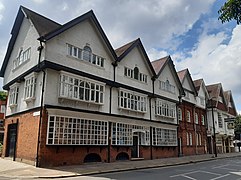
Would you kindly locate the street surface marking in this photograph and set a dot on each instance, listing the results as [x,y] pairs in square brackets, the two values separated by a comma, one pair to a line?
[183,174]
[220,176]
[207,172]
[189,177]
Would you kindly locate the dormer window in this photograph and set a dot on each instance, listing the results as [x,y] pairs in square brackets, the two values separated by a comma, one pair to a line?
[135,74]
[166,86]
[22,57]
[85,54]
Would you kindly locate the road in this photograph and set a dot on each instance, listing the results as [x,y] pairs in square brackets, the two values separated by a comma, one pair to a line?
[221,169]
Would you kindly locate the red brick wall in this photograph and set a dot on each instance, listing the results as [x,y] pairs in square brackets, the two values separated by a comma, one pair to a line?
[27,133]
[164,152]
[193,128]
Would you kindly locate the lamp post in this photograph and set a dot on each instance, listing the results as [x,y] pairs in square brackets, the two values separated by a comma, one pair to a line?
[210,105]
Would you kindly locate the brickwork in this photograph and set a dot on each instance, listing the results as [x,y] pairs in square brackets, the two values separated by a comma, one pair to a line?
[27,133]
[187,128]
[164,152]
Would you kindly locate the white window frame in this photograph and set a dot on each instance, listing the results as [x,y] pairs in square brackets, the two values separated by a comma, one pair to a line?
[3,108]
[132,101]
[166,86]
[188,116]
[30,87]
[196,118]
[190,139]
[23,56]
[81,89]
[164,137]
[122,134]
[179,114]
[203,120]
[79,54]
[13,95]
[128,72]
[165,108]
[66,130]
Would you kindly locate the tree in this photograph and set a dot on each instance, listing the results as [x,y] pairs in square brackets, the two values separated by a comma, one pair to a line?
[237,127]
[231,10]
[3,95]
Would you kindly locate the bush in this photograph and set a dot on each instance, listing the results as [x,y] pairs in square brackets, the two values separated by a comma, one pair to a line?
[1,148]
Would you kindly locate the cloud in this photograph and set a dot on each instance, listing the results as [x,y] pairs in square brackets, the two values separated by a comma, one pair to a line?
[156,22]
[2,7]
[216,61]
[155,54]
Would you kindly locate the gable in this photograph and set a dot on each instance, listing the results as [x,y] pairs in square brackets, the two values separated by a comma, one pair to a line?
[80,36]
[167,77]
[132,60]
[25,41]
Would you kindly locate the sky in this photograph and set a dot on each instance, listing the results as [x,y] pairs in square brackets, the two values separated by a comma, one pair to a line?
[189,31]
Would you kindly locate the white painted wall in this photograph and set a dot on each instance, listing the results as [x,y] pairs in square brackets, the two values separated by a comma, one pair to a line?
[51,96]
[131,60]
[166,74]
[79,35]
[27,37]
[23,105]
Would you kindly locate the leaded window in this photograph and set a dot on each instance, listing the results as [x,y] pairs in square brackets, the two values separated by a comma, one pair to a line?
[76,131]
[164,137]
[166,86]
[165,108]
[131,101]
[85,54]
[122,134]
[13,95]
[81,89]
[30,87]
[135,74]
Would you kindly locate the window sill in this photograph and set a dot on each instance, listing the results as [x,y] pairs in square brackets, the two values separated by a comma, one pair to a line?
[20,65]
[78,100]
[12,105]
[168,117]
[130,110]
[86,62]
[27,100]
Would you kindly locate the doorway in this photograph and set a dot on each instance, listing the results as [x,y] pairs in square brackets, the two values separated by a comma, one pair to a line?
[135,147]
[11,140]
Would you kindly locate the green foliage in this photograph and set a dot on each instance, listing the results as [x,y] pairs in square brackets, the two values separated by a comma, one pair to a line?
[1,148]
[237,126]
[231,10]
[3,95]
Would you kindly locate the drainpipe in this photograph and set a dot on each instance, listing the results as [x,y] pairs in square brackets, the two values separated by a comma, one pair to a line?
[110,111]
[40,48]
[151,131]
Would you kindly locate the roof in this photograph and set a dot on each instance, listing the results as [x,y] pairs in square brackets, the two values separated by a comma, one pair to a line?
[125,49]
[119,51]
[197,83]
[48,29]
[181,74]
[214,90]
[185,73]
[42,24]
[159,64]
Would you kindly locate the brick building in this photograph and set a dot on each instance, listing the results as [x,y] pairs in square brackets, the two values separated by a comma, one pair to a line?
[74,99]
[2,115]
[191,116]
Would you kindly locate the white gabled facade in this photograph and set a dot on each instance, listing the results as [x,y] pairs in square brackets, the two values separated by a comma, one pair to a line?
[69,88]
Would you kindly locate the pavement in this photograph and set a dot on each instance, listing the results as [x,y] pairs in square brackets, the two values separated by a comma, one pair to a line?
[12,169]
